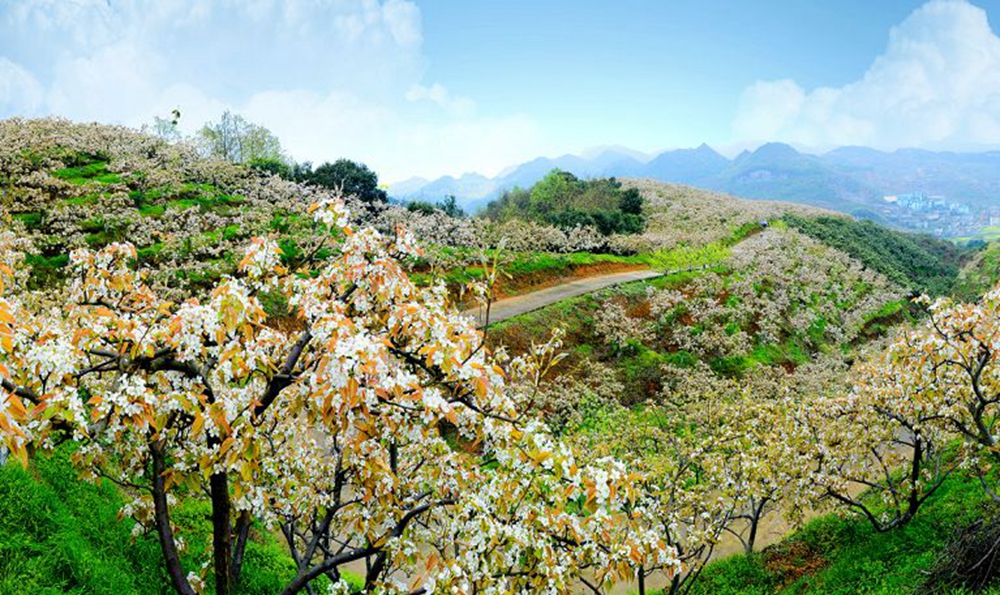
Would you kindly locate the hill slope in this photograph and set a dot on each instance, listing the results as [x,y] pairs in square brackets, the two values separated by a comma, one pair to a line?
[85,185]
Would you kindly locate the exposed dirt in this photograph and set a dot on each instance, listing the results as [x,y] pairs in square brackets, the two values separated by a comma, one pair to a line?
[790,561]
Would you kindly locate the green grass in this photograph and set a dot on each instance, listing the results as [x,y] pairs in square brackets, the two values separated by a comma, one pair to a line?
[981,274]
[32,220]
[152,210]
[82,201]
[46,270]
[847,556]
[94,171]
[59,534]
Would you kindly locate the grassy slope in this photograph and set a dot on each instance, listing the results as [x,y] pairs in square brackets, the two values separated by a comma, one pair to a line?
[843,556]
[918,262]
[59,534]
[980,273]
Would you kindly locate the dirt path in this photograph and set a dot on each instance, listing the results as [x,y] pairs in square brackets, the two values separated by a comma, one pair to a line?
[521,304]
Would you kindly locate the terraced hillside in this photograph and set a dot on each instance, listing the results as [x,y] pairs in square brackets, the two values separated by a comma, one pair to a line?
[85,185]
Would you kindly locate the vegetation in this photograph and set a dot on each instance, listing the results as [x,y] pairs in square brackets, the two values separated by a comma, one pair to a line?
[448,206]
[203,403]
[837,555]
[347,178]
[922,264]
[237,140]
[60,534]
[320,388]
[563,200]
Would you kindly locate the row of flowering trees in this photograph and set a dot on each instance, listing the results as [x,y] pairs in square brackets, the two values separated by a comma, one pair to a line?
[877,439]
[381,430]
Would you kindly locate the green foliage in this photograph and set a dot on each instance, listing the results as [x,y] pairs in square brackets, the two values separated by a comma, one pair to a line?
[32,220]
[563,200]
[842,556]
[630,202]
[272,165]
[238,140]
[59,534]
[738,575]
[88,169]
[421,206]
[351,178]
[921,263]
[980,274]
[46,270]
[275,304]
[448,206]
[730,366]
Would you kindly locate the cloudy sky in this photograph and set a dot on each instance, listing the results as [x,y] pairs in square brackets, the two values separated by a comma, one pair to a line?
[449,86]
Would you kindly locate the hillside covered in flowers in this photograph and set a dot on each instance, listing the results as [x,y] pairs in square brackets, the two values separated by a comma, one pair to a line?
[222,378]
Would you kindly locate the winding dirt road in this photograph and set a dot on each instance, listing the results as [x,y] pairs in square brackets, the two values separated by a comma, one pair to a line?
[529,302]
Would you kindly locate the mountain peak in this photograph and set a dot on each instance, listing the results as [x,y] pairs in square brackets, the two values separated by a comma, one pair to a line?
[776,150]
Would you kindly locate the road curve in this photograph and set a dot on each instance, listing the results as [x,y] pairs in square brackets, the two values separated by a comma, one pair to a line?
[521,304]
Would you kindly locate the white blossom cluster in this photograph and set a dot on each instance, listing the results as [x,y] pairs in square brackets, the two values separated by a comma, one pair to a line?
[380,407]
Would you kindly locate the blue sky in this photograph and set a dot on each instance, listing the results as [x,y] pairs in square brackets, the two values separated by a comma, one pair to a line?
[443,87]
[646,74]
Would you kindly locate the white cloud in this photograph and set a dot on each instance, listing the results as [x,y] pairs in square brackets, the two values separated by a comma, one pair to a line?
[400,141]
[19,91]
[936,85]
[438,94]
[332,78]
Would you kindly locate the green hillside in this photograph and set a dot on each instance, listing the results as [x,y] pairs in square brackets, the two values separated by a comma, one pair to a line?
[920,263]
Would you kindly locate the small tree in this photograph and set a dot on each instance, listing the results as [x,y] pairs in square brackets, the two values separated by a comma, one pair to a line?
[554,191]
[630,202]
[449,206]
[879,449]
[168,128]
[350,179]
[754,454]
[273,166]
[237,140]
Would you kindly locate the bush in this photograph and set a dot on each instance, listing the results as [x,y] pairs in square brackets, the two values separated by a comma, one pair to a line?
[970,560]
[567,202]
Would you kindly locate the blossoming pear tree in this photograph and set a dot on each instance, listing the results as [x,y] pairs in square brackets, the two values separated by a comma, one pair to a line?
[942,382]
[753,454]
[878,449]
[685,507]
[381,430]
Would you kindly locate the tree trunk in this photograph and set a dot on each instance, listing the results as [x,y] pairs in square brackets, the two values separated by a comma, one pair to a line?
[242,535]
[163,529]
[642,581]
[222,537]
[755,515]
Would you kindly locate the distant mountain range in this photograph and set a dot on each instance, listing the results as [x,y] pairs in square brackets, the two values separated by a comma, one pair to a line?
[853,180]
